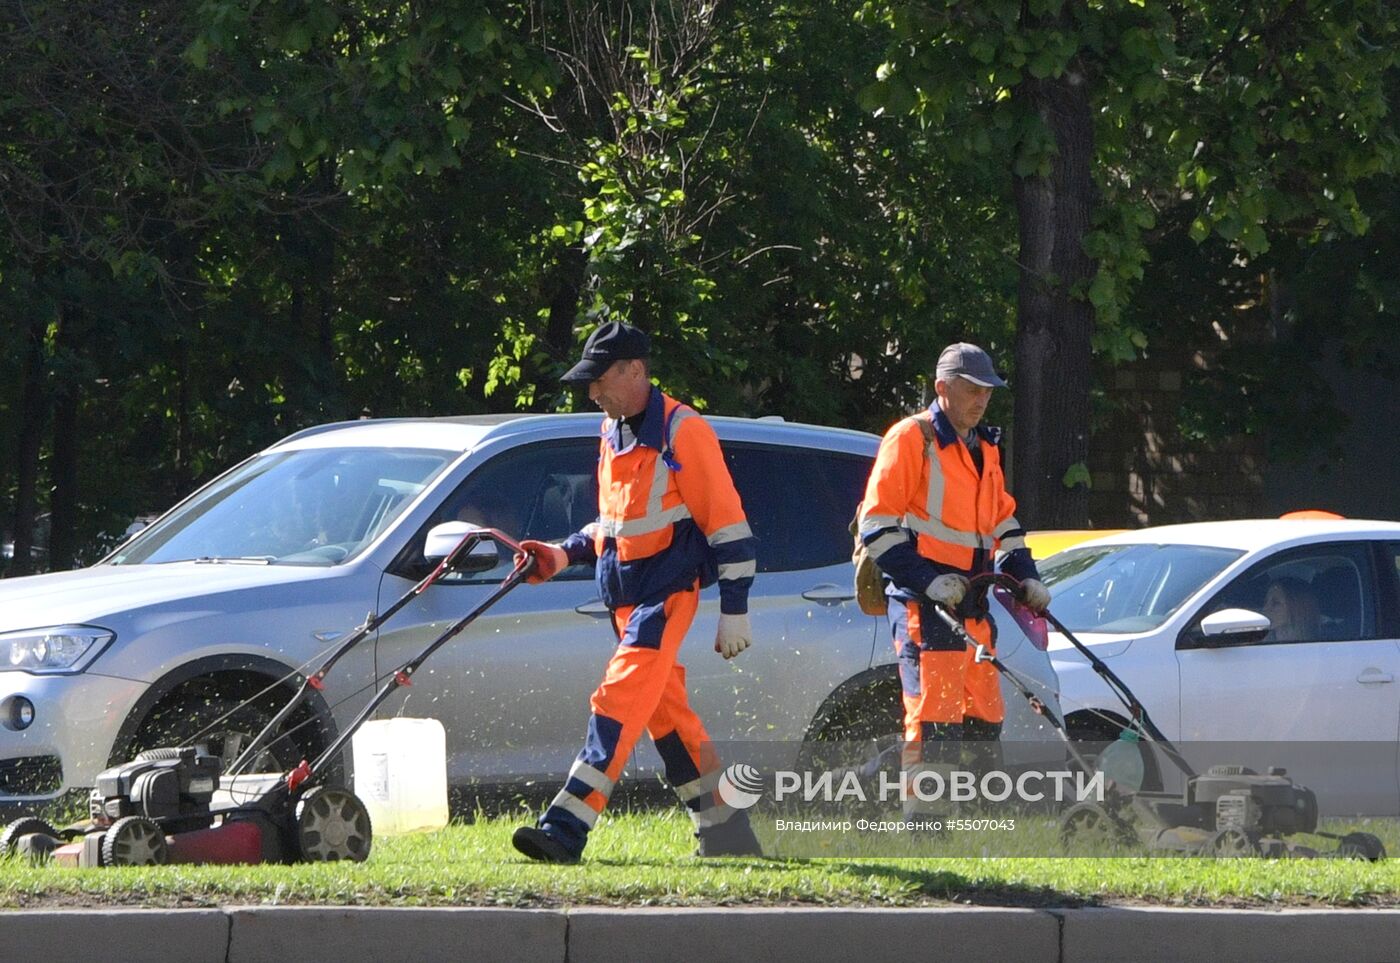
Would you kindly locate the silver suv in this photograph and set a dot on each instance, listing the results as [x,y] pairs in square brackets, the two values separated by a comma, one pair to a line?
[246,580]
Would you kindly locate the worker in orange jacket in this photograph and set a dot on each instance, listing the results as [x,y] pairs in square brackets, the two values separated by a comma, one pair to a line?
[937,513]
[669,523]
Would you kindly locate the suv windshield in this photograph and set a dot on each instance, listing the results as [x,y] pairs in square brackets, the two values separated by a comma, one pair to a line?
[315,506]
[1128,588]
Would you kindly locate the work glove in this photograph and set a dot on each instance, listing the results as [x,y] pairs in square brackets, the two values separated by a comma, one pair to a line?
[948,590]
[550,560]
[734,635]
[1033,594]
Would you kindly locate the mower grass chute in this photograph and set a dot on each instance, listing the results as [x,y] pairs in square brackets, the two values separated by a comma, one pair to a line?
[180,804]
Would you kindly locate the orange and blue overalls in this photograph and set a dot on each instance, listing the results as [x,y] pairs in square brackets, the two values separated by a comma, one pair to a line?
[669,523]
[929,510]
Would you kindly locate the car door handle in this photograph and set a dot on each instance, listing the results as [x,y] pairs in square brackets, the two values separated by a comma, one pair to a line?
[594,608]
[829,594]
[1374,677]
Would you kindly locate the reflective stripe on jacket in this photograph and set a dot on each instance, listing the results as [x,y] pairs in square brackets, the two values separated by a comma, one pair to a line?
[927,510]
[668,513]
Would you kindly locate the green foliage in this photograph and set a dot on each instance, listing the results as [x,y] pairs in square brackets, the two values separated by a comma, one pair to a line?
[263,216]
[1259,120]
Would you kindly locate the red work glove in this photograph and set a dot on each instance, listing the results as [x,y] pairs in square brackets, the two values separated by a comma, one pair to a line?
[550,560]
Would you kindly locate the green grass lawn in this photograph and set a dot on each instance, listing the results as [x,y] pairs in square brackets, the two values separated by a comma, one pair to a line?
[646,859]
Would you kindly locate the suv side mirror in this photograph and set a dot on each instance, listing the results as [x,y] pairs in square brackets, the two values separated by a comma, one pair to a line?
[443,539]
[1234,627]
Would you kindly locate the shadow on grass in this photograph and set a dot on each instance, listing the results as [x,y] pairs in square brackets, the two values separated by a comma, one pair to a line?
[943,884]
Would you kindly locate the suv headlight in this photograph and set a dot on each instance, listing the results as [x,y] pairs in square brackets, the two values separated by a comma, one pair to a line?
[57,648]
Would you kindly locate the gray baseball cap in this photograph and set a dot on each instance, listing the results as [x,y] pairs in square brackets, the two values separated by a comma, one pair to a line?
[963,360]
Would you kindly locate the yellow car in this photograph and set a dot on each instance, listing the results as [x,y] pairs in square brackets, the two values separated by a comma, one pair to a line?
[1045,544]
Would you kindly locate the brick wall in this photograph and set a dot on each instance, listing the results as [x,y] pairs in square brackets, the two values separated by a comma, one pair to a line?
[1145,473]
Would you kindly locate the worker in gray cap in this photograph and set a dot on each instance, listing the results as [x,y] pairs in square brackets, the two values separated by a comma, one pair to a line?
[937,513]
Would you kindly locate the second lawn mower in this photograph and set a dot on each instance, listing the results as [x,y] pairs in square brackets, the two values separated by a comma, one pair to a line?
[1229,810]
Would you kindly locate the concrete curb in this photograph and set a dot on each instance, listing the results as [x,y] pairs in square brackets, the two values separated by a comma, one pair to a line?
[338,934]
[1242,936]
[813,935]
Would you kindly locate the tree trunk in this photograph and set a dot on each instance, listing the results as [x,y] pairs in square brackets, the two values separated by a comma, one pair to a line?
[1053,353]
[182,478]
[30,439]
[333,402]
[563,285]
[63,501]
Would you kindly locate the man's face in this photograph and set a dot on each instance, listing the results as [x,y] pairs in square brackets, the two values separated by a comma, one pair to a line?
[964,402]
[618,391]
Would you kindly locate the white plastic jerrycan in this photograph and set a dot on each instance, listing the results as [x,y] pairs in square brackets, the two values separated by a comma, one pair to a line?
[401,774]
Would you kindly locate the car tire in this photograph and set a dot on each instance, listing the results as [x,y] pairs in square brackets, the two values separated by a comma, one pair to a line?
[860,710]
[859,727]
[238,707]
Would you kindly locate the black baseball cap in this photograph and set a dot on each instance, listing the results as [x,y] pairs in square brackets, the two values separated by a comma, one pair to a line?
[610,342]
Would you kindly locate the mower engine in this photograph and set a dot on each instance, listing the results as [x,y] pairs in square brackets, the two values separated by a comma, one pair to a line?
[171,785]
[1235,797]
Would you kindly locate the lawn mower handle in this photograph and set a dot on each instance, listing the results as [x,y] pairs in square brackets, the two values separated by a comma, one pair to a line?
[1038,706]
[1130,701]
[403,675]
[316,680]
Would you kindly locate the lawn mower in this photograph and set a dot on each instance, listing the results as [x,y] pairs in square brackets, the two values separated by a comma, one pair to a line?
[181,804]
[1229,810]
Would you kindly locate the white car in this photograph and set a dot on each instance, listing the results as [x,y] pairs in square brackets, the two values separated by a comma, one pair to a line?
[1260,643]
[248,579]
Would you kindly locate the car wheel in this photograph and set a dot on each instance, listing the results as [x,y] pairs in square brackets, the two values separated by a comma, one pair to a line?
[870,710]
[860,728]
[234,709]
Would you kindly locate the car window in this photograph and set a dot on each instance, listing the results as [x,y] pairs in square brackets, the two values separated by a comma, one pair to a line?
[1321,593]
[799,501]
[315,506]
[1128,588]
[1388,599]
[545,491]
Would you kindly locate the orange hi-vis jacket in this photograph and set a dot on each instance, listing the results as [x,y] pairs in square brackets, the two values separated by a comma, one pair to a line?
[668,513]
[928,511]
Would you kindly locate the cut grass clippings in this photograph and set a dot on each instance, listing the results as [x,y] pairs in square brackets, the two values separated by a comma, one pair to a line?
[646,859]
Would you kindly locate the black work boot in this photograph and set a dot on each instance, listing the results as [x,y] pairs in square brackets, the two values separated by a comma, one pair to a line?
[733,837]
[981,746]
[544,846]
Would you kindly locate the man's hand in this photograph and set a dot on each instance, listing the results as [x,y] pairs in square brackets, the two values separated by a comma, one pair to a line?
[734,635]
[948,590]
[1033,594]
[550,560]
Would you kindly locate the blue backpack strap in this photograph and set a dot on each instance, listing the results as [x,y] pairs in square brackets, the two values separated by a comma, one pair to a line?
[668,453]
